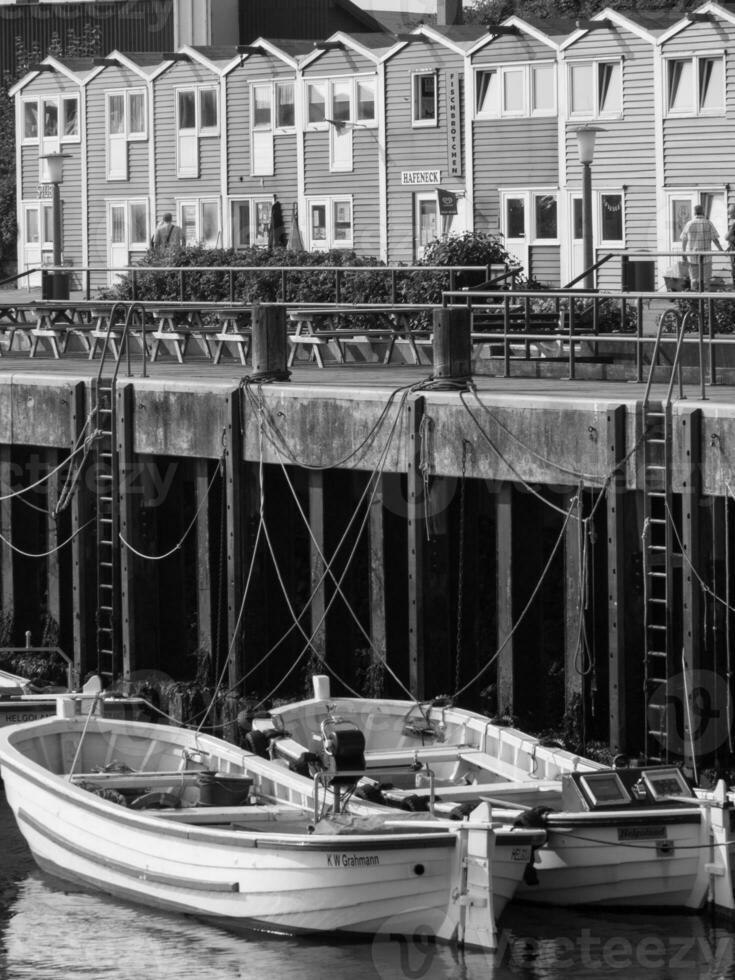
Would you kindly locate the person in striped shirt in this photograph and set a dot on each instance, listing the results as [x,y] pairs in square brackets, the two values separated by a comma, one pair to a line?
[698,235]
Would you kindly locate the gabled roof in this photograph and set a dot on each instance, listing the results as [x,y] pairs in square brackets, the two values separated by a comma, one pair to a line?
[551,31]
[398,21]
[720,10]
[633,25]
[75,69]
[375,46]
[458,38]
[218,59]
[290,51]
[145,64]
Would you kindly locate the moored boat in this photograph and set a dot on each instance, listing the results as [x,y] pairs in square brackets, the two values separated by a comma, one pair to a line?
[635,836]
[186,822]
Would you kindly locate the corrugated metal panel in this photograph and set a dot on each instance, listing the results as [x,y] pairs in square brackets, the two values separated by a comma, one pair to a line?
[126,25]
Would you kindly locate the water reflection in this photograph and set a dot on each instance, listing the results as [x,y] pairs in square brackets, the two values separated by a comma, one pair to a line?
[49,931]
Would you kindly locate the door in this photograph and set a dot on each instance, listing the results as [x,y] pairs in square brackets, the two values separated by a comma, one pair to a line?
[577,237]
[117,258]
[426,222]
[37,238]
[515,224]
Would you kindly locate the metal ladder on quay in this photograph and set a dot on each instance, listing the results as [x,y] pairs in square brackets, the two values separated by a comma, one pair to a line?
[660,559]
[107,498]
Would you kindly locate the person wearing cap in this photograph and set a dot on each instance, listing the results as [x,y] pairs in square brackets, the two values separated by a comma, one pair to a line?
[730,239]
[167,234]
[698,235]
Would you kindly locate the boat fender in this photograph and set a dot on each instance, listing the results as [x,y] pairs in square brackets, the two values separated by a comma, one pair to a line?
[620,761]
[535,817]
[156,801]
[415,804]
[529,874]
[257,743]
[306,764]
[463,810]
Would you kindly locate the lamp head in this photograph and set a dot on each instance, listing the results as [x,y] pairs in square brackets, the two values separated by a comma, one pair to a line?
[55,166]
[586,137]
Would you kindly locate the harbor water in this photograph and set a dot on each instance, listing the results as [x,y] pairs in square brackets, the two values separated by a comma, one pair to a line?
[51,931]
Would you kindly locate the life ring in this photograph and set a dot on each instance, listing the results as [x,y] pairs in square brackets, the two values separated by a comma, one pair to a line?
[156,801]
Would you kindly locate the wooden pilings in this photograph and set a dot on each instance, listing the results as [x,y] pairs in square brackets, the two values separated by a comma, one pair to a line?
[270,343]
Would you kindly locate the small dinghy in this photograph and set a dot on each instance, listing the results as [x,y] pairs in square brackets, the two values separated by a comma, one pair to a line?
[627,837]
[186,822]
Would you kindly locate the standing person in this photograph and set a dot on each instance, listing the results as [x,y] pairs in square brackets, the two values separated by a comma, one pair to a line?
[167,235]
[730,238]
[698,235]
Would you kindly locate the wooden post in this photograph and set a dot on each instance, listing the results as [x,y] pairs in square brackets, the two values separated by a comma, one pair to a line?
[316,550]
[7,583]
[452,344]
[376,546]
[573,572]
[691,542]
[83,570]
[270,343]
[234,505]
[202,479]
[616,592]
[127,525]
[506,671]
[53,540]
[415,489]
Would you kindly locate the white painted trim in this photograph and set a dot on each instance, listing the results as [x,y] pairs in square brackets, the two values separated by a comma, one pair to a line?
[19,182]
[84,174]
[658,134]
[469,136]
[300,136]
[618,19]
[432,34]
[225,223]
[382,166]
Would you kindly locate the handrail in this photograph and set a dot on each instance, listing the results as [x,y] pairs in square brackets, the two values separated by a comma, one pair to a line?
[18,275]
[592,268]
[50,650]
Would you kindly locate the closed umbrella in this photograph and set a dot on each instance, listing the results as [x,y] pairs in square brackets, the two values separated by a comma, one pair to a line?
[295,242]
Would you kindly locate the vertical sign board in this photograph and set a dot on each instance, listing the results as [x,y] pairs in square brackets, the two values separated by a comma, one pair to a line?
[454,142]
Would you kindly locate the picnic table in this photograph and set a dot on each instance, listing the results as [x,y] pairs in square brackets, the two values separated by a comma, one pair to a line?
[59,323]
[334,326]
[178,323]
[12,319]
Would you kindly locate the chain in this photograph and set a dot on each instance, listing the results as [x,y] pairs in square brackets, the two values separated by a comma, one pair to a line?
[466,447]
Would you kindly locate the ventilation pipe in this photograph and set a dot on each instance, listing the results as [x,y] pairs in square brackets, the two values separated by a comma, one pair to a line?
[448,13]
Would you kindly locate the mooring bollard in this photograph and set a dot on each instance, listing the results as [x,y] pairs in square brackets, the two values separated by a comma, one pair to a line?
[270,344]
[452,345]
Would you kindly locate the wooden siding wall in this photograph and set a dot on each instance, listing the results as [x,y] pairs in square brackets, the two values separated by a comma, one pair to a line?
[100,189]
[544,264]
[125,25]
[519,153]
[49,86]
[362,182]
[421,148]
[698,150]
[169,187]
[240,182]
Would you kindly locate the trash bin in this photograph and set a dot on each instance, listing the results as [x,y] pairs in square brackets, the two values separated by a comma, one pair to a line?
[54,285]
[639,276]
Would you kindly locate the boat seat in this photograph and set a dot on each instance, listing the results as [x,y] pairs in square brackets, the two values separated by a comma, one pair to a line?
[384,758]
[242,816]
[134,780]
[488,763]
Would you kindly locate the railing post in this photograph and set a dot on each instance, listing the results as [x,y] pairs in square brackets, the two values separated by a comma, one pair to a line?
[506,341]
[700,345]
[337,286]
[393,285]
[572,365]
[639,342]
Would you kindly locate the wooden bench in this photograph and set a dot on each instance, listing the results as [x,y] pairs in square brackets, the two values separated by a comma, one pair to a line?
[316,327]
[57,324]
[233,330]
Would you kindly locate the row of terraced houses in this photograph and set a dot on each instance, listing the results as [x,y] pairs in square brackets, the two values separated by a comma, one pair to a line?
[359,138]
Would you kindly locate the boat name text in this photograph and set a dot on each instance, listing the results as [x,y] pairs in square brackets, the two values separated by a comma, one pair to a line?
[352,860]
[642,833]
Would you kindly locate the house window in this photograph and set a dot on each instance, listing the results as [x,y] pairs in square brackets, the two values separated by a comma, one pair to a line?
[59,118]
[126,114]
[545,217]
[261,135]
[139,225]
[342,99]
[251,222]
[596,89]
[30,120]
[200,222]
[197,115]
[330,222]
[262,106]
[611,219]
[50,118]
[425,111]
[285,108]
[695,86]
[516,90]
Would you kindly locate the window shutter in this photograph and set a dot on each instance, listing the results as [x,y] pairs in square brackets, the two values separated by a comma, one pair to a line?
[262,155]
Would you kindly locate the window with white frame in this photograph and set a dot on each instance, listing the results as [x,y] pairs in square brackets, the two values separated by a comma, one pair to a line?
[261,130]
[695,86]
[596,89]
[200,222]
[531,216]
[251,221]
[425,109]
[330,222]
[516,90]
[197,116]
[126,121]
[611,218]
[345,99]
[128,224]
[545,217]
[53,117]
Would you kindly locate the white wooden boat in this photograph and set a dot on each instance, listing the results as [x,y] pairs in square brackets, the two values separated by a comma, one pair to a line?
[130,809]
[615,837]
[21,702]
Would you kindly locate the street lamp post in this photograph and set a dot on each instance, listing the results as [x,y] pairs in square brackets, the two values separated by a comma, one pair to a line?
[55,171]
[586,137]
